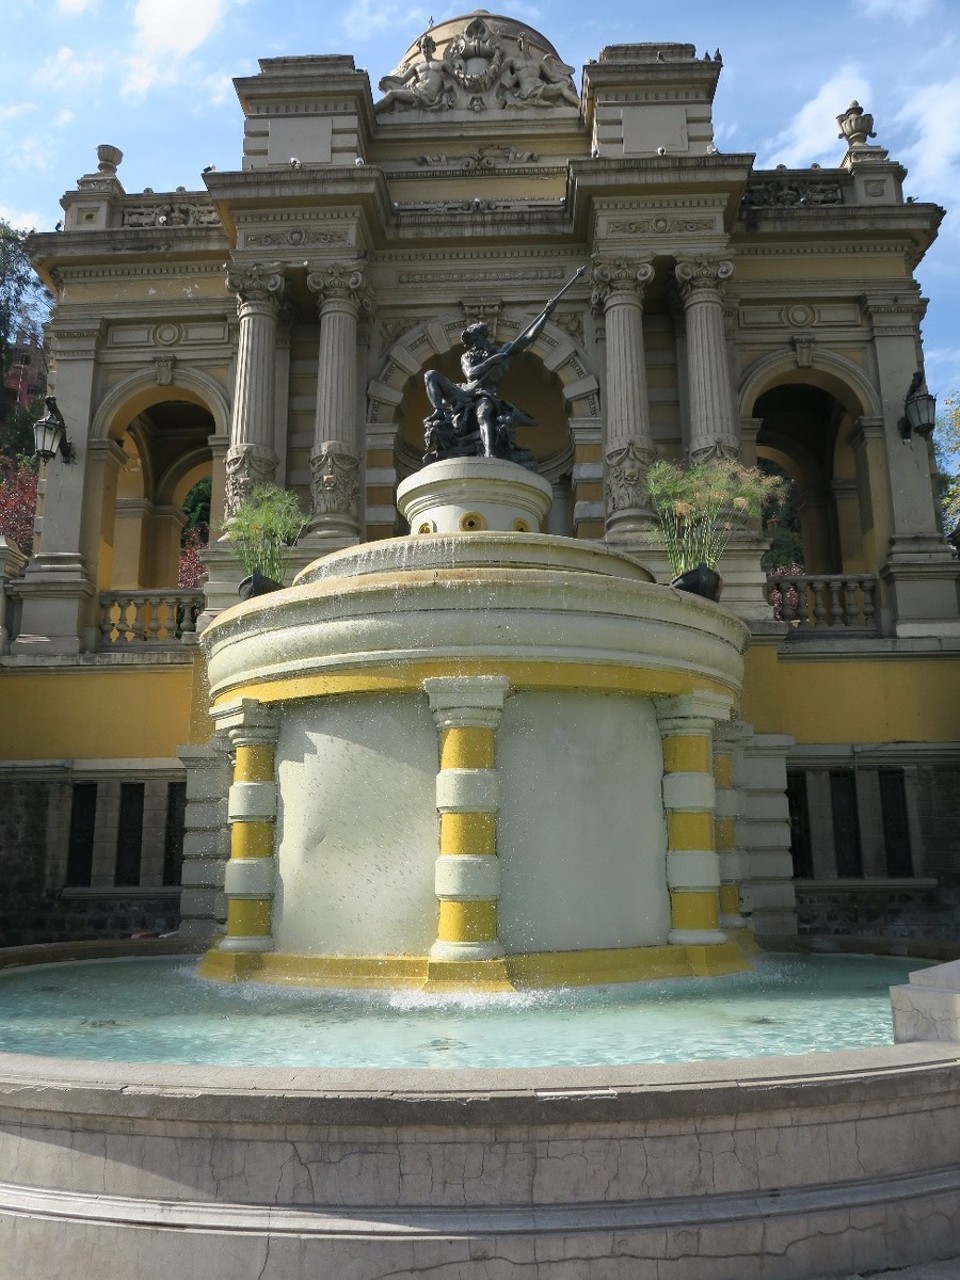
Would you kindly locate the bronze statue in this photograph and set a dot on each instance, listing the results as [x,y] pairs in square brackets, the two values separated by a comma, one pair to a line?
[469,418]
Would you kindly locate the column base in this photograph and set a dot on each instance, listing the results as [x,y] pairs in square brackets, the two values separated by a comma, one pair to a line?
[458,951]
[260,942]
[696,937]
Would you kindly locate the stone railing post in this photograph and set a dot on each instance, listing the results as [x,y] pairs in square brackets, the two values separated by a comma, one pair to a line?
[335,456]
[251,458]
[727,748]
[689,798]
[251,811]
[618,292]
[713,426]
[467,711]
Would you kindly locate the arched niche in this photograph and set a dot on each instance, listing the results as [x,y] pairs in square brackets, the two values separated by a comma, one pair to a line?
[808,413]
[163,431]
[552,381]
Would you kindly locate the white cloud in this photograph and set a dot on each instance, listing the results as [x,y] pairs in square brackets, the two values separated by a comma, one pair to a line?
[73,8]
[165,31]
[15,109]
[375,15]
[812,134]
[903,10]
[218,87]
[21,219]
[933,155]
[66,67]
[174,26]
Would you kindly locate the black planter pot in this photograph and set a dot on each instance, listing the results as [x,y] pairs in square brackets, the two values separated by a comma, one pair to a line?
[257,584]
[700,581]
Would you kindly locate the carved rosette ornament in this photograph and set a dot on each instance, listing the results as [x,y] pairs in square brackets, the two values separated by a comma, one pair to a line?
[611,277]
[334,485]
[626,487]
[247,465]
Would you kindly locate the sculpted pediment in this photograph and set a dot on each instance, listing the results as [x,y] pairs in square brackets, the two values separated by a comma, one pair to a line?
[479,63]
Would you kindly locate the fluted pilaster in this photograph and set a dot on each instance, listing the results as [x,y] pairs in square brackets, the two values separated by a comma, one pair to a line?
[618,292]
[335,457]
[251,458]
[713,432]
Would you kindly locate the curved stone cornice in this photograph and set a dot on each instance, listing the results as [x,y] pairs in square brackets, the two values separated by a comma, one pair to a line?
[611,276]
[256,282]
[699,275]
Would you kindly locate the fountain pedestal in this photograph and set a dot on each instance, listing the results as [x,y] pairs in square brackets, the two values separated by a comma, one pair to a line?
[489,761]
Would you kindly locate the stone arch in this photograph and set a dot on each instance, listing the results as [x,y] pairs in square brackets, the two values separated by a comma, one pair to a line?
[559,355]
[808,409]
[835,374]
[141,390]
[168,424]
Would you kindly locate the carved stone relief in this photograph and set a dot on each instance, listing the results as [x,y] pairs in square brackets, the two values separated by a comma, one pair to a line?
[627,467]
[170,215]
[777,194]
[334,481]
[246,466]
[617,275]
[256,282]
[481,68]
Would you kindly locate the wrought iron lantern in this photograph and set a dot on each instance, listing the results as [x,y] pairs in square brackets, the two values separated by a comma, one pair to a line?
[50,434]
[919,410]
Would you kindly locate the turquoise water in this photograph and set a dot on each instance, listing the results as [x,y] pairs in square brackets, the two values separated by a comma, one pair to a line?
[157,1010]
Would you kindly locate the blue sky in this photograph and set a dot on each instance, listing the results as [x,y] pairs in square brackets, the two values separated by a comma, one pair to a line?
[153,77]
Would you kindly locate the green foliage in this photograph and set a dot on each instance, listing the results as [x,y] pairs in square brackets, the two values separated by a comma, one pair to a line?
[24,302]
[16,433]
[700,507]
[946,446]
[196,507]
[263,524]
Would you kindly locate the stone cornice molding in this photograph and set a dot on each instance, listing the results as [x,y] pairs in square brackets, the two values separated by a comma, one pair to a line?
[702,277]
[256,282]
[611,277]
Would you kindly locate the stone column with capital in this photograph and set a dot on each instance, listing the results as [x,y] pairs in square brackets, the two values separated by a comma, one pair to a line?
[713,425]
[689,798]
[618,292]
[335,456]
[251,459]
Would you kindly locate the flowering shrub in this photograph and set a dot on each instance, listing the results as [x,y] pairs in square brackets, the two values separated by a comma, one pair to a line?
[18,502]
[700,507]
[190,568]
[776,592]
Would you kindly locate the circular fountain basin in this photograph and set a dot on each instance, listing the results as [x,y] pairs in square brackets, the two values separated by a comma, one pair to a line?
[772,1168]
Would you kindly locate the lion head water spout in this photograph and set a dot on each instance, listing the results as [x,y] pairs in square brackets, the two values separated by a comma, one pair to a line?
[434,728]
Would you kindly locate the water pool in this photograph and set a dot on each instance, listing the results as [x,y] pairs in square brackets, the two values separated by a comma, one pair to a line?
[157,1010]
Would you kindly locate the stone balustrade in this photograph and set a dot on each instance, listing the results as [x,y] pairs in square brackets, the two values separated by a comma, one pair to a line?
[148,619]
[835,602]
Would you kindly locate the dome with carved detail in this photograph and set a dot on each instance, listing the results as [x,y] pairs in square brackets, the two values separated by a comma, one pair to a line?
[479,62]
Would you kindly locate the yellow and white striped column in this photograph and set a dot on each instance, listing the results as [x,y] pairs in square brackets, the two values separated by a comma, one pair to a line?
[252,811]
[467,875]
[726,748]
[689,799]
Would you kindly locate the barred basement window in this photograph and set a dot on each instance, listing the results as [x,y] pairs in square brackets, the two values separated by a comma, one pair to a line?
[800,849]
[173,834]
[896,829]
[129,834]
[83,814]
[846,823]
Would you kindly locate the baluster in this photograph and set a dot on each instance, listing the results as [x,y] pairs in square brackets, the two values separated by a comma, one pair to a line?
[137,622]
[868,586]
[106,623]
[850,598]
[186,622]
[151,607]
[787,596]
[819,608]
[836,608]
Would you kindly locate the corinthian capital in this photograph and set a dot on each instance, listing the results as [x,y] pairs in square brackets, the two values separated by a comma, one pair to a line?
[256,281]
[698,274]
[342,281]
[618,275]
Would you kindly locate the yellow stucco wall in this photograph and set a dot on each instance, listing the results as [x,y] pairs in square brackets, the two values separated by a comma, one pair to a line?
[855,699]
[106,714]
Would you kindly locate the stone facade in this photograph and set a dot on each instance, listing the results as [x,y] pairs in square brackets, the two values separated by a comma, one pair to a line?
[727,311]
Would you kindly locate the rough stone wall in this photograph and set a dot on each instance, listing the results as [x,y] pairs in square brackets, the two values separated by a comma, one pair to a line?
[876,911]
[25,906]
[938,815]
